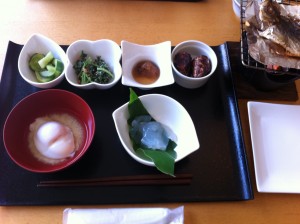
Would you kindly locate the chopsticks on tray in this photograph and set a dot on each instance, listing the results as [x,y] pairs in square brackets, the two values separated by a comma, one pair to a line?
[156,179]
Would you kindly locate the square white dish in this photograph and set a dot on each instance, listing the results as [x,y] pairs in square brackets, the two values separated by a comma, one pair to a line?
[159,54]
[275,134]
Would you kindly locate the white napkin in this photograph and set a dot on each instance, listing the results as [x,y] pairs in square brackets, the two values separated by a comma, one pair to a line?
[124,216]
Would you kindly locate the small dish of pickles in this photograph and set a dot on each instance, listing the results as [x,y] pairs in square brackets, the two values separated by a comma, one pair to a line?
[42,62]
[46,67]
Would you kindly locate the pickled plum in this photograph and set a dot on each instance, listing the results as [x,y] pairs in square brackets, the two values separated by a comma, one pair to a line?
[145,72]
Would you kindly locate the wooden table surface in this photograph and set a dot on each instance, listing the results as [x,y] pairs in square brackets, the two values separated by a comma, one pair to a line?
[143,22]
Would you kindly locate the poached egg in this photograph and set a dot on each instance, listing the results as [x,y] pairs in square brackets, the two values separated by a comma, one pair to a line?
[55,140]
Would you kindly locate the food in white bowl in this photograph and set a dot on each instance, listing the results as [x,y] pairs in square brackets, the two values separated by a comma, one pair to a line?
[53,59]
[94,64]
[170,114]
[193,63]
[146,66]
[196,67]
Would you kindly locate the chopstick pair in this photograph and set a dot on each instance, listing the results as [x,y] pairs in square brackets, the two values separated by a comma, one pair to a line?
[158,179]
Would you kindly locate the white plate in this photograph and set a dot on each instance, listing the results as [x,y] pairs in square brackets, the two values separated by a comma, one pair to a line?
[275,134]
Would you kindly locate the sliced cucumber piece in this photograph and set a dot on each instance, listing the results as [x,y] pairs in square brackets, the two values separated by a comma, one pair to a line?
[46,67]
[46,60]
[41,78]
[51,68]
[59,67]
[33,62]
[47,74]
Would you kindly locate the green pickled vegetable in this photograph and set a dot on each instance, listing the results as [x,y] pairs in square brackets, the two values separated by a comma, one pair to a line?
[49,73]
[59,67]
[46,67]
[40,78]
[33,62]
[46,60]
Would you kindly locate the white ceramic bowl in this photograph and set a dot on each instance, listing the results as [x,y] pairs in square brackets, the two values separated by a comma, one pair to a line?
[170,113]
[38,43]
[109,51]
[159,54]
[195,48]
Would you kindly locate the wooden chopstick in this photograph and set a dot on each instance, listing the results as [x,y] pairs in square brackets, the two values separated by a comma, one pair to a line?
[159,179]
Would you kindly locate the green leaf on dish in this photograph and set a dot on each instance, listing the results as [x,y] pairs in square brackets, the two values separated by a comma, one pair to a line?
[135,107]
[163,160]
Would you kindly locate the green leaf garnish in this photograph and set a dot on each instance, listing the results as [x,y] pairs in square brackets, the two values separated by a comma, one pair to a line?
[135,107]
[163,160]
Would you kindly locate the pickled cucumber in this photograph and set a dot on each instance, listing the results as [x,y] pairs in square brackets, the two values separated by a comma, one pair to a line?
[40,78]
[33,62]
[43,62]
[49,73]
[59,67]
[46,67]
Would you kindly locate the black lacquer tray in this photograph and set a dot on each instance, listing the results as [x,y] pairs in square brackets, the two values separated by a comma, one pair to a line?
[219,168]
